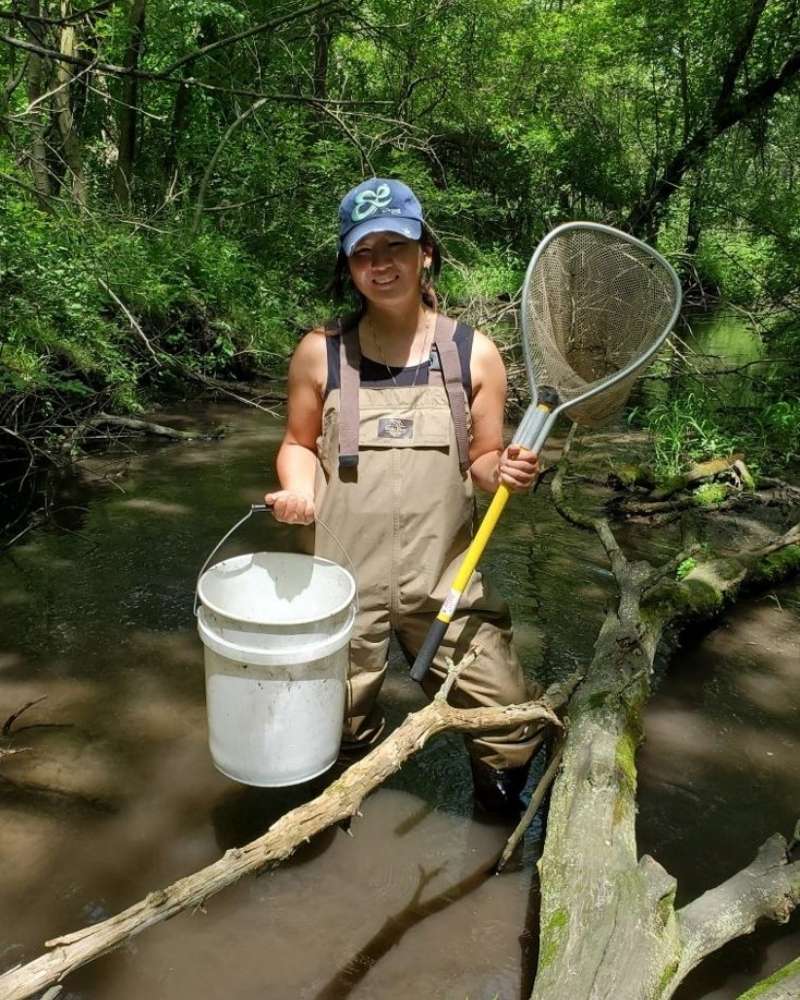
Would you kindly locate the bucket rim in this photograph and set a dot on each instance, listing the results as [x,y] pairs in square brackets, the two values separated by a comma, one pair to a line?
[335,610]
[288,656]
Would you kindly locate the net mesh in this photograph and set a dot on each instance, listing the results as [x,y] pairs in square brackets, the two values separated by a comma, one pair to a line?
[593,303]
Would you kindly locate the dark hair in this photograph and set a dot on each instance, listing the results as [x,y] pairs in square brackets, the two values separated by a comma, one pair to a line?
[343,291]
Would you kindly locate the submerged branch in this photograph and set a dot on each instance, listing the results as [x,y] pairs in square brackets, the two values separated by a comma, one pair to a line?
[533,808]
[148,426]
[340,801]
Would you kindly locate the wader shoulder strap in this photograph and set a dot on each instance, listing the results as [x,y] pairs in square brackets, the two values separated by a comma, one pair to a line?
[454,387]
[350,383]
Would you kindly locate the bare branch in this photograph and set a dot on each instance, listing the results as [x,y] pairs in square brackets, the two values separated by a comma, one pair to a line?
[338,802]
[76,15]
[190,57]
[769,887]
[256,30]
[534,805]
[201,192]
[131,319]
[8,725]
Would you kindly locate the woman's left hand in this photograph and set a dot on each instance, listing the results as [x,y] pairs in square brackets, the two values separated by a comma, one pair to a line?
[518,469]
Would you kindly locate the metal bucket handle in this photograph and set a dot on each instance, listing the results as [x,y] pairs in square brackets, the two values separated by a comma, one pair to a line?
[263,508]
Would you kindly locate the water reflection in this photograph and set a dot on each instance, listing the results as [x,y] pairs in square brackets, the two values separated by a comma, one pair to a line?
[723,343]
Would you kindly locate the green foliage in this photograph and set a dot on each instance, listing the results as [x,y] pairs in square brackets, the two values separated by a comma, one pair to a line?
[549,112]
[685,567]
[203,300]
[739,264]
[779,565]
[684,430]
[486,274]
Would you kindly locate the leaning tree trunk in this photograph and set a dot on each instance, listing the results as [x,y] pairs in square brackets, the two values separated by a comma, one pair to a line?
[729,108]
[781,985]
[609,927]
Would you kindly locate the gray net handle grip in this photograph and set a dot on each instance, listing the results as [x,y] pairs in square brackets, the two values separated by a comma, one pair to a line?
[263,508]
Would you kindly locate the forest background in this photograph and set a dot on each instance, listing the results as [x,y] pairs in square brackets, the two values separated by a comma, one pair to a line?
[170,173]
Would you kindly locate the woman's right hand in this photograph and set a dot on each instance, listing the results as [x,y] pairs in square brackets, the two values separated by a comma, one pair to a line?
[291,507]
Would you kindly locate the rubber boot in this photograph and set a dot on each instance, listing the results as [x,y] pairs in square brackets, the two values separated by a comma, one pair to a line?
[498,791]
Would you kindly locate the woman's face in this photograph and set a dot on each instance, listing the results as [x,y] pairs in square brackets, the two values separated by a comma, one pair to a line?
[386,267]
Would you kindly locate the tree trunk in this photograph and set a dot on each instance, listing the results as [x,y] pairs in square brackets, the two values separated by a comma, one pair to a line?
[180,118]
[63,103]
[783,985]
[16,76]
[183,101]
[322,44]
[608,926]
[129,111]
[36,81]
[693,226]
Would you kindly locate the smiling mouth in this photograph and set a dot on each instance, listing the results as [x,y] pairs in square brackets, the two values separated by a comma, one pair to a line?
[385,282]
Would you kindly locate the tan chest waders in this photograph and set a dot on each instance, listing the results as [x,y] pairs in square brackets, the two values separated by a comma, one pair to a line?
[393,482]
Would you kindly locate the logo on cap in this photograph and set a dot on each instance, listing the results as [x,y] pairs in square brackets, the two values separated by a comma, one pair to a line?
[368,202]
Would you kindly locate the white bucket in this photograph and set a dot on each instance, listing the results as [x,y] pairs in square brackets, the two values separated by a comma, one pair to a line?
[276,628]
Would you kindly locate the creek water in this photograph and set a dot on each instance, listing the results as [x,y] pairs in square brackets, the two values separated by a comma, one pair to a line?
[114,793]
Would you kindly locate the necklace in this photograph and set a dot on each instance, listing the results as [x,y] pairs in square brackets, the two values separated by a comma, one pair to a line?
[427,341]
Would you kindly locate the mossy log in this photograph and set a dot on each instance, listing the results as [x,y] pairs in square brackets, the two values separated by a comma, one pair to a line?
[781,985]
[640,476]
[609,927]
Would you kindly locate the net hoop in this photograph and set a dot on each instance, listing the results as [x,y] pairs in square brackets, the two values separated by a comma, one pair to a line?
[621,378]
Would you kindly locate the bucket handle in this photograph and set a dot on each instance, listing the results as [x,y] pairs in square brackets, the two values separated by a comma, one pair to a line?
[263,508]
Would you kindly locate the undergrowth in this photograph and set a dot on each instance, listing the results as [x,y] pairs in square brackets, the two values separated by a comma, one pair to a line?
[693,427]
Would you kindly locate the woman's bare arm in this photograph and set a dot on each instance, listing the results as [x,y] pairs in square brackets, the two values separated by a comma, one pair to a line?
[297,455]
[517,468]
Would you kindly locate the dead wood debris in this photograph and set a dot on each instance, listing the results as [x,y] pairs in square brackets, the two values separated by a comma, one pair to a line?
[340,801]
[608,922]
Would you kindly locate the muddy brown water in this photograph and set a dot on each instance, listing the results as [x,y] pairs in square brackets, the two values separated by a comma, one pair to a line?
[115,794]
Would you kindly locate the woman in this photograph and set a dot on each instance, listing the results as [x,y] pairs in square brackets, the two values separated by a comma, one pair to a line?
[394,414]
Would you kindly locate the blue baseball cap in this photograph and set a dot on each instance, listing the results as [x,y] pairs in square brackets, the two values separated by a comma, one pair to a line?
[378,205]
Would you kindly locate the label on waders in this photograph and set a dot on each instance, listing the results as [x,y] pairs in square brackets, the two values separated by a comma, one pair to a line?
[395,427]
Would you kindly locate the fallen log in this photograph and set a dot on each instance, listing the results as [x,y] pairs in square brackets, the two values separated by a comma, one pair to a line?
[147,426]
[699,472]
[608,925]
[340,801]
[782,985]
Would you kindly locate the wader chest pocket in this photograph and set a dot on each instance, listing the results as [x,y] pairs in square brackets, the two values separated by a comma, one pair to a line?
[417,428]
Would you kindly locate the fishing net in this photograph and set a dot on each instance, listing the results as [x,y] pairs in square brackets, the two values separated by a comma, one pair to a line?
[593,303]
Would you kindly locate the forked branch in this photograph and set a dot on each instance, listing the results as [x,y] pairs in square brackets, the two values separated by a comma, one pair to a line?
[340,801]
